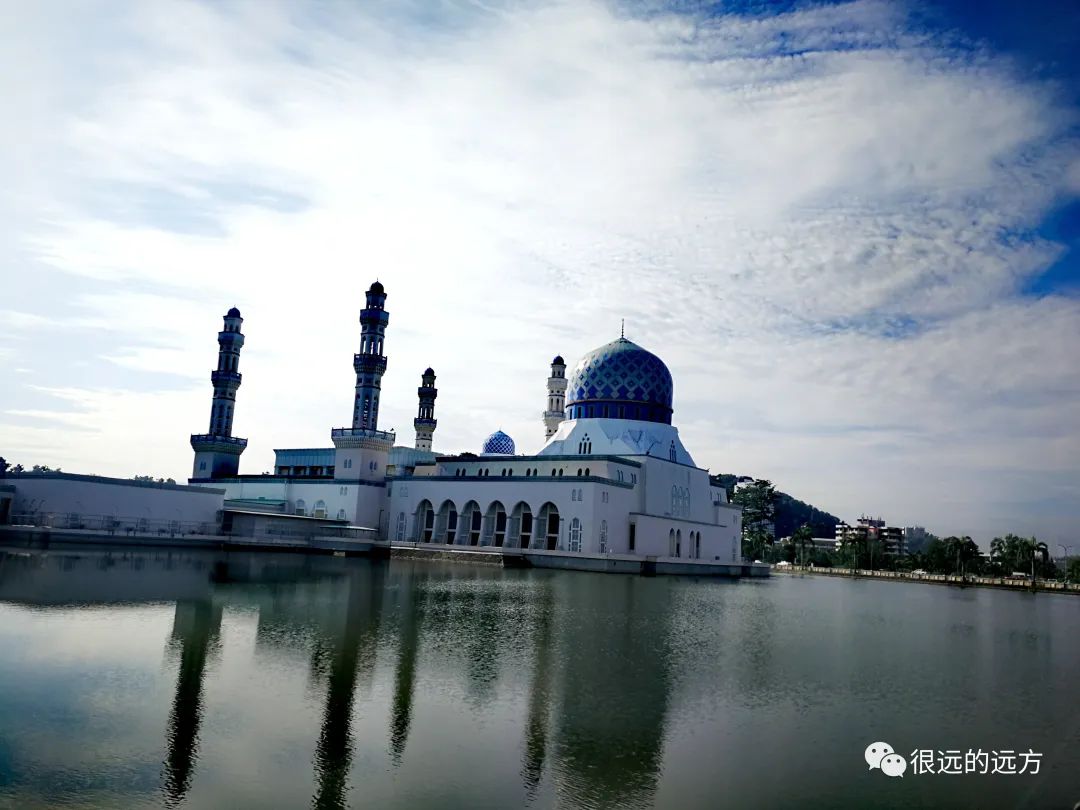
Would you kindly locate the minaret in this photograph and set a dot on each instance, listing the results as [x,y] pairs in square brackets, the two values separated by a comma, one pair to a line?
[217,452]
[362,451]
[425,417]
[370,363]
[556,397]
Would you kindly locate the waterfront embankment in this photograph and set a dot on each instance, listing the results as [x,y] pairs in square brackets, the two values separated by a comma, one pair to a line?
[1009,583]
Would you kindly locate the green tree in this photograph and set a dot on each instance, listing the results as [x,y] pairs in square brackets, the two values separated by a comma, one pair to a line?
[803,537]
[4,466]
[1007,553]
[1072,569]
[758,502]
[1033,551]
[959,553]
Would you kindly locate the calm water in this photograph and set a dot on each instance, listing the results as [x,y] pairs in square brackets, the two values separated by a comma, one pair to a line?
[182,679]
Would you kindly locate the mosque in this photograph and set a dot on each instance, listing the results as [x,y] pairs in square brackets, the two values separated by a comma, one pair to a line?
[612,487]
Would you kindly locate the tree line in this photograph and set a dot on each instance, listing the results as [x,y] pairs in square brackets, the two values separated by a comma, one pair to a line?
[1008,555]
[6,467]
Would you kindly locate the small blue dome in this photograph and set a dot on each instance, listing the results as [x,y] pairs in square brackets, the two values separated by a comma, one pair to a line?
[620,380]
[233,313]
[498,443]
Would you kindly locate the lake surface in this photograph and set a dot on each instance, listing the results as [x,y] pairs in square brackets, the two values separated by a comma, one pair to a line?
[191,679]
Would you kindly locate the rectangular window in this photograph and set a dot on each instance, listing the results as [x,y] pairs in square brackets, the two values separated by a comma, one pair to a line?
[633,535]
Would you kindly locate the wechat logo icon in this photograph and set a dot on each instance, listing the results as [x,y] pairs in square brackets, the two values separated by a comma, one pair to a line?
[881,755]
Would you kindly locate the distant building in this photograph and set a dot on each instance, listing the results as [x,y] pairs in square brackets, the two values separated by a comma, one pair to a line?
[816,543]
[868,529]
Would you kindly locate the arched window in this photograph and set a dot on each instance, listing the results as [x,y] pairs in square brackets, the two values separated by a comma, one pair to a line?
[697,546]
[586,472]
[671,543]
[401,527]
[579,472]
[301,507]
[674,500]
[603,537]
[678,543]
[671,451]
[575,535]
[341,514]
[528,473]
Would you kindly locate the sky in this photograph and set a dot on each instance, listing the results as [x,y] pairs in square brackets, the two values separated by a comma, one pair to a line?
[851,230]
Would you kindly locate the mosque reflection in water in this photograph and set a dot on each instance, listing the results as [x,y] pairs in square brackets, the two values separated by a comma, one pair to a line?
[567,651]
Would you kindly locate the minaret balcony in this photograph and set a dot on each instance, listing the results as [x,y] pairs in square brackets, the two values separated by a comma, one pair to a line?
[345,438]
[208,442]
[369,362]
[225,377]
[365,433]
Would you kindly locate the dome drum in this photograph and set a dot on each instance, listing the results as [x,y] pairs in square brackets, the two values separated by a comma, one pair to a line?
[619,409]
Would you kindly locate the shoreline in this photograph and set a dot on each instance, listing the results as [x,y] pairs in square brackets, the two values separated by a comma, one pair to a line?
[1002,583]
[555,559]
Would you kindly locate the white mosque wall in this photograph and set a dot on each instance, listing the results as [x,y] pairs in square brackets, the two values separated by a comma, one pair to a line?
[663,500]
[126,500]
[360,503]
[365,463]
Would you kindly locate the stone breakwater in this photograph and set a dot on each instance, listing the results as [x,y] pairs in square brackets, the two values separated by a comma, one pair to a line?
[1010,583]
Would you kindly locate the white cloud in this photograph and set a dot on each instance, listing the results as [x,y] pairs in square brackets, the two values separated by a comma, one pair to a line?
[520,179]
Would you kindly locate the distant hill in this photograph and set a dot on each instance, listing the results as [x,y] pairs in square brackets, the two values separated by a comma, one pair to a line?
[791,513]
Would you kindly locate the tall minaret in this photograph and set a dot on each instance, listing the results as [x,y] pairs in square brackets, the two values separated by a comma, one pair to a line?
[556,397]
[361,453]
[425,417]
[217,452]
[370,363]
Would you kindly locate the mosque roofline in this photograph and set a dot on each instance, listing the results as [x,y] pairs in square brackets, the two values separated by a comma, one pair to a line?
[292,479]
[516,479]
[497,457]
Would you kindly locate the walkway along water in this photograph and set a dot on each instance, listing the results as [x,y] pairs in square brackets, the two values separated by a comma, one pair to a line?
[1011,583]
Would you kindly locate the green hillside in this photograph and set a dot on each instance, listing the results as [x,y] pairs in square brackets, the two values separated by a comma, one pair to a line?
[790,512]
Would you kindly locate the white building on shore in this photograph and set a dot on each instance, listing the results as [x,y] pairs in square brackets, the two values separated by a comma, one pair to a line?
[613,477]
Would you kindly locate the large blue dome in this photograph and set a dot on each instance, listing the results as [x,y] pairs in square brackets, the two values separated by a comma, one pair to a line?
[498,443]
[620,381]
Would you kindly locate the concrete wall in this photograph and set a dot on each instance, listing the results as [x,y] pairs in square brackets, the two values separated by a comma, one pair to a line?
[361,502]
[85,499]
[718,543]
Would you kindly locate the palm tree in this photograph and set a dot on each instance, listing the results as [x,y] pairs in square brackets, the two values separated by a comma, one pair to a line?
[1030,549]
[802,537]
